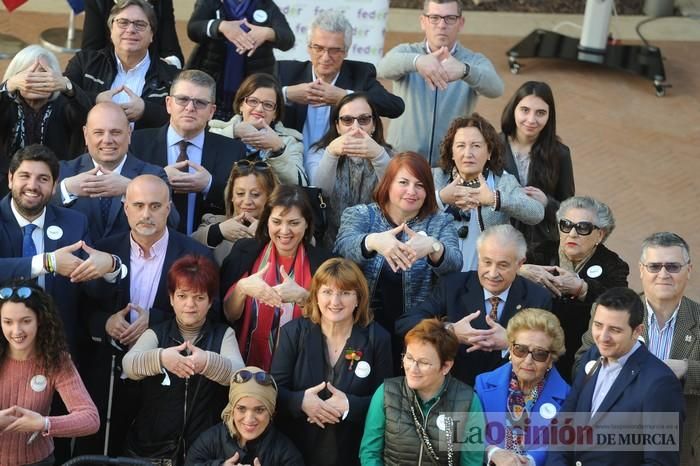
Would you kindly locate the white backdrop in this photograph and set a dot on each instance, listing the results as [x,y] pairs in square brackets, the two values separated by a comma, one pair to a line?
[368,18]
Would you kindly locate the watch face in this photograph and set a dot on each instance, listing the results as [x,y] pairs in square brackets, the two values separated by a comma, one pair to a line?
[436,246]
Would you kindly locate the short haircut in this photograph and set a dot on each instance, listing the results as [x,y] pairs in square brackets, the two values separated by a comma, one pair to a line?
[494,145]
[286,196]
[267,179]
[345,275]
[542,320]
[254,82]
[442,2]
[507,233]
[27,57]
[199,78]
[194,273]
[418,167]
[433,332]
[665,239]
[147,8]
[604,216]
[333,21]
[626,300]
[36,153]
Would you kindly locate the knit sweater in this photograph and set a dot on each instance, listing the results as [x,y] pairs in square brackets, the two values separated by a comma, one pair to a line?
[15,389]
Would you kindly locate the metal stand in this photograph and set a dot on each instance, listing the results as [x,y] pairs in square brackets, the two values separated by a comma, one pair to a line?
[9,46]
[63,40]
[645,61]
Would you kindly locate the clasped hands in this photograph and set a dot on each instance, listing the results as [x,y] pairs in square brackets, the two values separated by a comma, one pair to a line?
[19,419]
[255,286]
[356,143]
[559,281]
[465,197]
[492,339]
[245,36]
[322,412]
[400,255]
[439,68]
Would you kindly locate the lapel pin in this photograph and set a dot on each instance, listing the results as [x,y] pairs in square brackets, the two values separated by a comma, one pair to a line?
[518,307]
[689,338]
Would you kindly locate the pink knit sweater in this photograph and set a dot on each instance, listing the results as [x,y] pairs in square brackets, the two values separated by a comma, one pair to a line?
[15,389]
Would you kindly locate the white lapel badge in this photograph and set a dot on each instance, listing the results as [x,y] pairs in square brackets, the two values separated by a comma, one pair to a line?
[689,338]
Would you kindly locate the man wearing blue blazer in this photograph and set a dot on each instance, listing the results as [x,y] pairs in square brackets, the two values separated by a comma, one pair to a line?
[619,389]
[466,301]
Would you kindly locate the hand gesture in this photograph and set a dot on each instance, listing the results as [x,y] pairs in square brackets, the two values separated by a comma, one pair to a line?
[76,185]
[137,327]
[244,129]
[301,94]
[258,35]
[233,461]
[421,244]
[184,182]
[108,184]
[452,192]
[479,196]
[197,356]
[237,36]
[453,67]
[27,81]
[504,457]
[66,262]
[568,283]
[463,328]
[7,417]
[95,266]
[537,194]
[118,323]
[233,228]
[397,254]
[540,274]
[289,291]
[256,287]
[173,361]
[492,339]
[319,412]
[26,420]
[430,67]
[134,107]
[265,138]
[360,144]
[108,95]
[338,400]
[323,93]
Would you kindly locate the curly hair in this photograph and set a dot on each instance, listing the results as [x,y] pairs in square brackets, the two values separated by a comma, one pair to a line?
[493,143]
[50,343]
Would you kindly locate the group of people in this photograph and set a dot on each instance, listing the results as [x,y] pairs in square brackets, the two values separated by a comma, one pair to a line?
[231,264]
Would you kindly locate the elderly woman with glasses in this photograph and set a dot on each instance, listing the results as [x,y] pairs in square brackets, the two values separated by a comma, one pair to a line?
[34,366]
[329,364]
[581,268]
[427,416]
[247,190]
[247,435]
[259,107]
[527,391]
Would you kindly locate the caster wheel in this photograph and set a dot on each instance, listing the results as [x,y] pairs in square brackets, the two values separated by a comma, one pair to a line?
[660,91]
[515,68]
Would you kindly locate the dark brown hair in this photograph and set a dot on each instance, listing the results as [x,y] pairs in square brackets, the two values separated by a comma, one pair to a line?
[418,166]
[286,196]
[493,143]
[254,82]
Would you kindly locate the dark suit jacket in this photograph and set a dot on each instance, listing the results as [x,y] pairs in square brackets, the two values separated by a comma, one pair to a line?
[300,363]
[354,75]
[219,153]
[14,266]
[459,294]
[116,222]
[644,385]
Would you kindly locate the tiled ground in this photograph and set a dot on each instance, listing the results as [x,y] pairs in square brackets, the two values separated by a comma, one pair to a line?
[637,152]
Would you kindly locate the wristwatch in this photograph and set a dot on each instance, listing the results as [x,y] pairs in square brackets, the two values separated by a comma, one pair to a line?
[435,246]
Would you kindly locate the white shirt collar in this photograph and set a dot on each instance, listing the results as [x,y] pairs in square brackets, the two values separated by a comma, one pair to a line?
[503,295]
[144,63]
[173,137]
[313,76]
[117,169]
[452,50]
[39,221]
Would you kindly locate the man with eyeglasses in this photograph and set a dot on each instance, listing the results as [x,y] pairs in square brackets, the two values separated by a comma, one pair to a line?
[438,78]
[477,305]
[311,87]
[94,183]
[196,161]
[672,325]
[126,72]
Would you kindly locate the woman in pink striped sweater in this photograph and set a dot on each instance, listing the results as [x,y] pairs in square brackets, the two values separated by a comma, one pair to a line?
[34,363]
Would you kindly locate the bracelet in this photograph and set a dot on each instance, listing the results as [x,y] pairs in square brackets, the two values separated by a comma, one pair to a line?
[496,200]
[47,426]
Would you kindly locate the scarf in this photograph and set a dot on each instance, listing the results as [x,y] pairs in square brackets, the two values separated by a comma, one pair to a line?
[30,128]
[519,408]
[234,68]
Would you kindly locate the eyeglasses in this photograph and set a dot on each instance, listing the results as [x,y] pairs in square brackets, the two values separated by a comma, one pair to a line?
[362,120]
[253,102]
[23,292]
[582,228]
[123,23]
[522,351]
[261,378]
[332,51]
[448,19]
[655,267]
[184,101]
[247,165]
[342,294]
[409,362]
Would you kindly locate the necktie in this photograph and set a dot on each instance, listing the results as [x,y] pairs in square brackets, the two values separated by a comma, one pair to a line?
[183,154]
[28,247]
[180,199]
[494,300]
[105,205]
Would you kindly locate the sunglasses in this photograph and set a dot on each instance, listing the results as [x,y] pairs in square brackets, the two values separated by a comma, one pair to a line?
[363,120]
[655,267]
[261,378]
[257,165]
[522,351]
[22,292]
[582,228]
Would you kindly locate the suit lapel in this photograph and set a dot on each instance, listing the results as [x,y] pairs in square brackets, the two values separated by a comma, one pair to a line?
[683,334]
[344,80]
[315,348]
[473,300]
[516,296]
[628,374]
[14,232]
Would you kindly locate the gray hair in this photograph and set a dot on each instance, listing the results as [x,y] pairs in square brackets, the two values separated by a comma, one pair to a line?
[603,215]
[507,234]
[333,21]
[442,2]
[198,78]
[26,58]
[147,8]
[665,239]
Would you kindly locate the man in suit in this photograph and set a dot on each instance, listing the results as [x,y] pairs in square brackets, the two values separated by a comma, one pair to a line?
[495,288]
[196,161]
[311,87]
[622,389]
[672,325]
[95,183]
[46,243]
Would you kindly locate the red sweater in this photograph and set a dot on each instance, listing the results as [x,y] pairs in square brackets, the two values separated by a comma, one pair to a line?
[15,389]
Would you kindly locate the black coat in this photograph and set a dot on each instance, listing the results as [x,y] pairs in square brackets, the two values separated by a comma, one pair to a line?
[299,363]
[459,294]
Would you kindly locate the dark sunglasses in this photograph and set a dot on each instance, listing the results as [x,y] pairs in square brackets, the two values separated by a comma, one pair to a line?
[582,228]
[22,292]
[262,378]
[522,351]
[655,267]
[257,165]
[348,120]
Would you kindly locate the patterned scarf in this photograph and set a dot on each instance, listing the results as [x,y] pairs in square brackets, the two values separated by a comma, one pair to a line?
[519,408]
[29,128]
